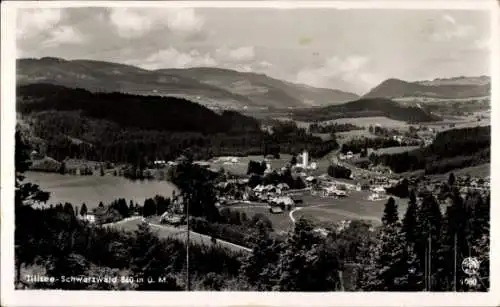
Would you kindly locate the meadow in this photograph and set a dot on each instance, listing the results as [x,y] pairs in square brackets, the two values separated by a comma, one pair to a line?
[393,150]
[327,210]
[240,167]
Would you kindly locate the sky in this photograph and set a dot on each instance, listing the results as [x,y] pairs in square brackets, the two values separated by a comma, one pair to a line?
[352,50]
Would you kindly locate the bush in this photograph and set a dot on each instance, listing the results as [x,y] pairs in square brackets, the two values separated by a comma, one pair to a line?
[337,171]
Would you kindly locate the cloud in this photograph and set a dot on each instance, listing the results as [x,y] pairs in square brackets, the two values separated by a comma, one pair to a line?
[173,58]
[265,64]
[184,20]
[131,22]
[447,28]
[241,54]
[482,44]
[31,22]
[135,22]
[449,19]
[337,71]
[63,35]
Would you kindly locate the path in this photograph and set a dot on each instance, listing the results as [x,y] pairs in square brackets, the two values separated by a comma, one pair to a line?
[292,212]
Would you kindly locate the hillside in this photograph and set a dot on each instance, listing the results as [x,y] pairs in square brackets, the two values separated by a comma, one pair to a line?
[127,128]
[450,150]
[142,112]
[212,87]
[366,107]
[461,87]
[259,87]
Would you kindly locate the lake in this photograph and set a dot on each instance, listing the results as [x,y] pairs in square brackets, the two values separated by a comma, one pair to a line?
[93,189]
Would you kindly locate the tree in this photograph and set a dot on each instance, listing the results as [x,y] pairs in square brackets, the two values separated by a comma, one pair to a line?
[304,259]
[147,260]
[255,167]
[259,268]
[26,194]
[409,226]
[68,208]
[390,216]
[451,179]
[102,170]
[389,265]
[338,171]
[149,207]
[83,210]
[429,226]
[62,168]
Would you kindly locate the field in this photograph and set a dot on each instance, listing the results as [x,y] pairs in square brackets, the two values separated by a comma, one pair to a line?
[394,150]
[371,121]
[346,136]
[165,231]
[281,221]
[93,189]
[327,210]
[355,206]
[240,167]
[482,170]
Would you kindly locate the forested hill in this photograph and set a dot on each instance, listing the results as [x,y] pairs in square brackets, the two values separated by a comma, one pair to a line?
[143,112]
[439,88]
[367,108]
[126,128]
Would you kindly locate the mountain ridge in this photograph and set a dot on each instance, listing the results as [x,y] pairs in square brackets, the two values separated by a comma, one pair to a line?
[367,107]
[212,87]
[443,88]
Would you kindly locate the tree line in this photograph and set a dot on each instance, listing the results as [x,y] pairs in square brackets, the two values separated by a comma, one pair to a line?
[127,128]
[332,128]
[451,149]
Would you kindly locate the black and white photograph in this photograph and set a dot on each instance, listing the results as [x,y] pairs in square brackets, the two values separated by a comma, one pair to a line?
[249,149]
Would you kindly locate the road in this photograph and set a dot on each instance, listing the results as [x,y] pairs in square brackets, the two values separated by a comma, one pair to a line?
[292,212]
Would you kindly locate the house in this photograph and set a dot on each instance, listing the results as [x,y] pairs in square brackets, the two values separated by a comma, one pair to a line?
[321,231]
[100,215]
[377,197]
[283,186]
[170,218]
[259,189]
[89,218]
[159,162]
[275,210]
[285,200]
[310,179]
[378,190]
[35,156]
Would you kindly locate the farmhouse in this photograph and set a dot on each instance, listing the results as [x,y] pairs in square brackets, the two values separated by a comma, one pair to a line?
[100,215]
[275,210]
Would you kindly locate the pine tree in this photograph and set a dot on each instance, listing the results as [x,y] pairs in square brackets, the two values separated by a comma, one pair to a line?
[429,221]
[304,259]
[410,220]
[147,261]
[389,268]
[260,267]
[83,210]
[451,179]
[390,216]
[68,208]
[26,194]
